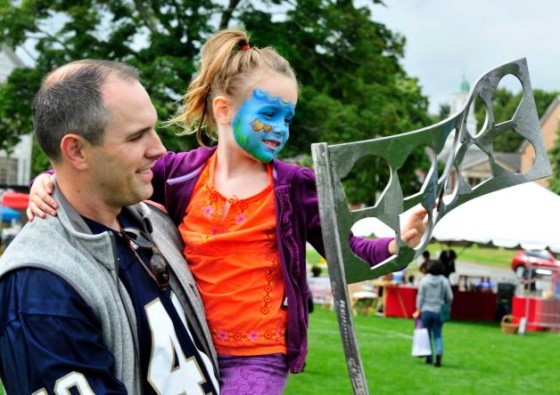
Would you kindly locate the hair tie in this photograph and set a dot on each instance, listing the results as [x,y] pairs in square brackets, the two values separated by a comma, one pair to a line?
[243,45]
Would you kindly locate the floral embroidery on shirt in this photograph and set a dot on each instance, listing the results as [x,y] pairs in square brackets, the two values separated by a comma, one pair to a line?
[208,211]
[231,339]
[272,273]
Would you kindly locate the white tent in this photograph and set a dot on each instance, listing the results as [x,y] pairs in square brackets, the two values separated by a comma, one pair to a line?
[526,216]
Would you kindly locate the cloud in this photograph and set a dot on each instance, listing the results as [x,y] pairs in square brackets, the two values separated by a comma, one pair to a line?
[447,40]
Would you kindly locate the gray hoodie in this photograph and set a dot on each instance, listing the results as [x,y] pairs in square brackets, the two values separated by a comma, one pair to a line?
[434,290]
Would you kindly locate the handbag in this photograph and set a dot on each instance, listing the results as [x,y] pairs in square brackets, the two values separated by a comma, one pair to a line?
[421,345]
[445,312]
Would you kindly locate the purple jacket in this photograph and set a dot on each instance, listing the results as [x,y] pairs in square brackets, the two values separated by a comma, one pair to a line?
[175,176]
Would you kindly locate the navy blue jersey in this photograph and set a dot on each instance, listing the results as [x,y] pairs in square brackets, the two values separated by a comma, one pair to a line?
[51,340]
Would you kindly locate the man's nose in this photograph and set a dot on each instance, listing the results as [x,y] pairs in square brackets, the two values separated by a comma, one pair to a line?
[156,148]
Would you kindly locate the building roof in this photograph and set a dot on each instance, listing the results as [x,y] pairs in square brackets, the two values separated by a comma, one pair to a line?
[550,109]
[543,119]
[464,87]
[474,156]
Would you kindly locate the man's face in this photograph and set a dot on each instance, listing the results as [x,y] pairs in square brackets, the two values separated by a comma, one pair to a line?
[121,165]
[261,126]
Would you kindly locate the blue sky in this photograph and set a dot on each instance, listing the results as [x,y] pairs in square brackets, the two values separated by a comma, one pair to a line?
[449,39]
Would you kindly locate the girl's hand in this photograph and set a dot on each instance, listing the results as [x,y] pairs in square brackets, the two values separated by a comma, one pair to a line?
[416,314]
[413,228]
[40,201]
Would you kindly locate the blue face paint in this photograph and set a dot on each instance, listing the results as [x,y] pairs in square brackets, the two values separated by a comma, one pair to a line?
[262,125]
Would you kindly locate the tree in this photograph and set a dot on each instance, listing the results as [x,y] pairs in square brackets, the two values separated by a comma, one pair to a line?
[162,41]
[505,103]
[353,86]
[554,156]
[444,111]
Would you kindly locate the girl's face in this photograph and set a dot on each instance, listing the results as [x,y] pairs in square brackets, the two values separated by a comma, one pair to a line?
[261,126]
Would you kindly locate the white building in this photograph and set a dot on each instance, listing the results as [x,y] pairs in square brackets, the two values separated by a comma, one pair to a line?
[459,100]
[15,169]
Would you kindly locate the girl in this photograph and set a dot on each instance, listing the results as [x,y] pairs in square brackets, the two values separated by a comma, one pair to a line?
[245,217]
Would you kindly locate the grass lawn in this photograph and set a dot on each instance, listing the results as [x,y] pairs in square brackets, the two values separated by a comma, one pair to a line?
[478,359]
[489,256]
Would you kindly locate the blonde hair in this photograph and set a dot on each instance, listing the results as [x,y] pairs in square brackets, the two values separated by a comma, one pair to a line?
[227,65]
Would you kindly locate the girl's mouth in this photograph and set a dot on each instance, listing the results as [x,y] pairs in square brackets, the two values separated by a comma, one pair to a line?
[272,143]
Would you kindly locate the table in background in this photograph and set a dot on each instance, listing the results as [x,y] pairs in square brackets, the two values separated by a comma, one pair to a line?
[541,313]
[474,306]
[400,301]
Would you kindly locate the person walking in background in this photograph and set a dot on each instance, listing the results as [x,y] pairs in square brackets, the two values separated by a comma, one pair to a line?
[447,258]
[424,265]
[99,299]
[434,290]
[245,217]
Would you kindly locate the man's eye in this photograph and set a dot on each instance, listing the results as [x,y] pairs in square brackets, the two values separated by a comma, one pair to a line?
[137,136]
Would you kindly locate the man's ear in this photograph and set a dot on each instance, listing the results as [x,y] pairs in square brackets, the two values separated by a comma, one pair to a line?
[222,109]
[72,150]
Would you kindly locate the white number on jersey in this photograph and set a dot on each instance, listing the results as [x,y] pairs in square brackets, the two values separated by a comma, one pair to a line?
[170,372]
[65,384]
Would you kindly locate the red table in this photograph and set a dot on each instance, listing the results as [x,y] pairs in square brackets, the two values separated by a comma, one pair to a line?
[400,301]
[541,314]
[474,306]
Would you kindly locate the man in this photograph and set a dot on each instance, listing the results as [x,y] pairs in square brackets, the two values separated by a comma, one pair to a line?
[98,299]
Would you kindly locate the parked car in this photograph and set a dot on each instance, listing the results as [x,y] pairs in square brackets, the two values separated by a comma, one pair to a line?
[537,259]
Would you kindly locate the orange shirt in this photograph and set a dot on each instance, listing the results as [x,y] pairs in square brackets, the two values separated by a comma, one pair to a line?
[230,245]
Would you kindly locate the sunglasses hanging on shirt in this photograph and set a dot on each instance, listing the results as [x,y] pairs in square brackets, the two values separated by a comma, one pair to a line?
[158,268]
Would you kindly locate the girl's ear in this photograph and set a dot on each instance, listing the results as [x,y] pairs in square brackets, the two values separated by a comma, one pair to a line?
[223,110]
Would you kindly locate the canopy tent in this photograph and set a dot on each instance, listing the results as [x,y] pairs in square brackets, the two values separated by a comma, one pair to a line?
[8,215]
[525,215]
[16,200]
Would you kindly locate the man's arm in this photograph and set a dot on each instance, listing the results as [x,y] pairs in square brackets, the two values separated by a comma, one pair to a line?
[50,339]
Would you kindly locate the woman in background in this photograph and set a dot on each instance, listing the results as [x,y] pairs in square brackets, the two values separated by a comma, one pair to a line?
[433,292]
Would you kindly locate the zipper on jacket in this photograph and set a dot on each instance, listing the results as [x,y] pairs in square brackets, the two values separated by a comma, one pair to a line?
[129,313]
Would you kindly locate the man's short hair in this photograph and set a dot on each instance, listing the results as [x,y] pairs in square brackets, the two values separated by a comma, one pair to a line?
[70,101]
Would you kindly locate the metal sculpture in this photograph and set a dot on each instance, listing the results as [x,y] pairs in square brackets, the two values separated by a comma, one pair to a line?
[334,162]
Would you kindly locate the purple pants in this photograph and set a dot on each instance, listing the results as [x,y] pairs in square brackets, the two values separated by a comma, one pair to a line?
[255,375]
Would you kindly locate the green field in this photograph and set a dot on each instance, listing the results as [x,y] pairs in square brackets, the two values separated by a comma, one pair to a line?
[478,359]
[490,256]
[495,257]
